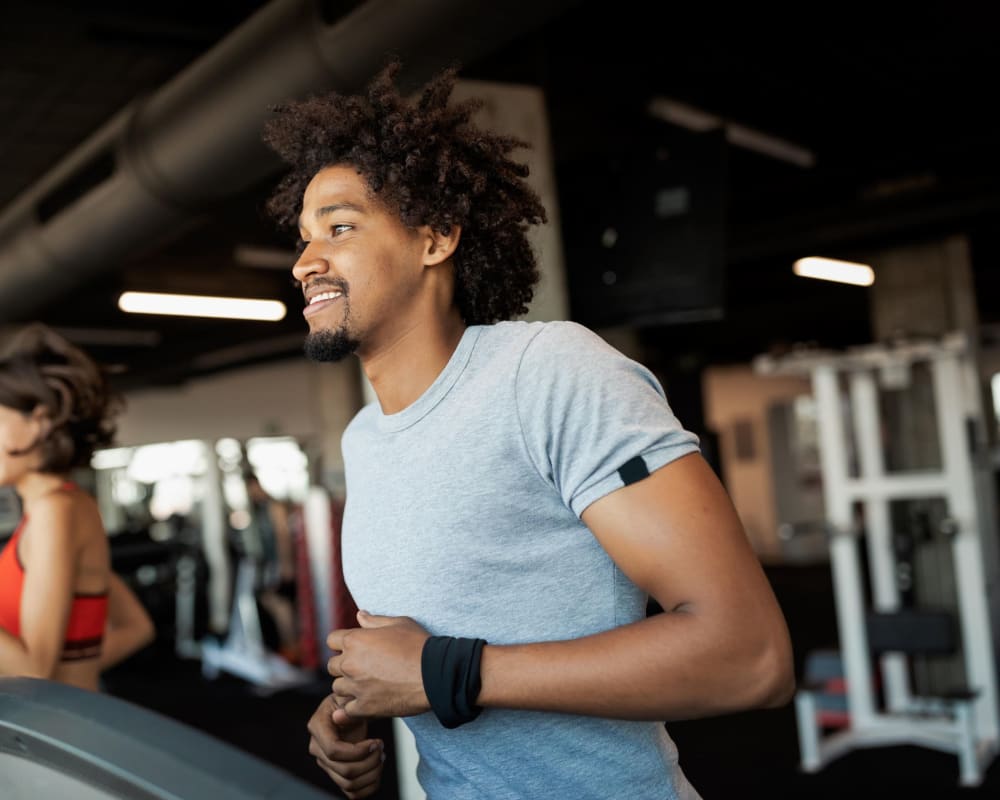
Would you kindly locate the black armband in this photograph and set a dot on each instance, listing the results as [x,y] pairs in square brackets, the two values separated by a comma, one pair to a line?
[450,671]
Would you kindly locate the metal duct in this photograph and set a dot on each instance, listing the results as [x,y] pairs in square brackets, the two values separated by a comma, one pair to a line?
[197,139]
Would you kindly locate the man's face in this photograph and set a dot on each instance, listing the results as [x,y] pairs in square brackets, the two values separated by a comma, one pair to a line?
[360,268]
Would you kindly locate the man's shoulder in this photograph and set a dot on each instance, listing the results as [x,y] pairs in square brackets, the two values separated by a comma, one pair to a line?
[554,336]
[554,346]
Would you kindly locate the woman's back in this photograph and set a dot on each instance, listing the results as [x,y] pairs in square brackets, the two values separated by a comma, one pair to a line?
[62,550]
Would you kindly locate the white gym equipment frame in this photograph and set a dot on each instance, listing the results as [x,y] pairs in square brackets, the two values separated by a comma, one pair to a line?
[243,653]
[967,727]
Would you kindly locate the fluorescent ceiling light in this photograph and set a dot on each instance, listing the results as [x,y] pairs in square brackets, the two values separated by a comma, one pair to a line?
[694,119]
[830,269]
[190,305]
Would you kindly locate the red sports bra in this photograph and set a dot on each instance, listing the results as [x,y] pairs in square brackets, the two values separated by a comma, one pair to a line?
[85,630]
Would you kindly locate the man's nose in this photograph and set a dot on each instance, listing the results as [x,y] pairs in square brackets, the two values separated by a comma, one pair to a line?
[309,264]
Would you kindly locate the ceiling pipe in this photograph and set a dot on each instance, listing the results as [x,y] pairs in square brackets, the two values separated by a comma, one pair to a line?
[196,141]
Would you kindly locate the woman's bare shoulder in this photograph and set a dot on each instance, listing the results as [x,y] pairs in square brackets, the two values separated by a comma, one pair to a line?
[71,510]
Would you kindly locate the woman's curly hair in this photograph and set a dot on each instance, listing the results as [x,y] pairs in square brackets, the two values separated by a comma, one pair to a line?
[39,368]
[425,161]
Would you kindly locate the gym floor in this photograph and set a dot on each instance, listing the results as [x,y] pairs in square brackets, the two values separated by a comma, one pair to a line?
[752,754]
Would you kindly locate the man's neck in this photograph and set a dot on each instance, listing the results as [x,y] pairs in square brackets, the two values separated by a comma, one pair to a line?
[402,370]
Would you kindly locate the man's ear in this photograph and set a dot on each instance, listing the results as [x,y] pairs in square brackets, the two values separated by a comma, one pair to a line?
[439,247]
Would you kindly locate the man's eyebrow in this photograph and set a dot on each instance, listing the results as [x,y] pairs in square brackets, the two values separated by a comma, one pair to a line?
[333,209]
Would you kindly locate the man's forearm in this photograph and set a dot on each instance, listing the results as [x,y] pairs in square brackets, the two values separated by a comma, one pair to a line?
[661,668]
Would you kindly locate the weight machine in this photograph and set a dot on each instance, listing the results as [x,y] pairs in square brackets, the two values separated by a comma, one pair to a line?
[880,639]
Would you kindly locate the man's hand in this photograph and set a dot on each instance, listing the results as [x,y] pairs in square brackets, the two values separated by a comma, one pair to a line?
[342,751]
[377,669]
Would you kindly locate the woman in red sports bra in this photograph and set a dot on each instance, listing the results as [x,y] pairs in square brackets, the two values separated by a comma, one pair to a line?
[56,582]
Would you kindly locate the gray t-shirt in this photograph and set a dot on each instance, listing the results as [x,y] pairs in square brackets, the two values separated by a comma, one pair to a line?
[463,513]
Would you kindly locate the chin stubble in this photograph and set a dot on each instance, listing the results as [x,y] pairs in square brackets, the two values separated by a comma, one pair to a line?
[327,346]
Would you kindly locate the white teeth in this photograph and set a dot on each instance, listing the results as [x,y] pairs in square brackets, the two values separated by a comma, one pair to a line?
[324,296]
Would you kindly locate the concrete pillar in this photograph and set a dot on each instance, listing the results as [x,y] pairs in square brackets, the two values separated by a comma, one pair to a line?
[519,111]
[924,290]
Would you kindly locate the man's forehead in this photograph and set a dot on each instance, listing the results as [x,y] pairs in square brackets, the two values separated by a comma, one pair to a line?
[336,185]
[334,189]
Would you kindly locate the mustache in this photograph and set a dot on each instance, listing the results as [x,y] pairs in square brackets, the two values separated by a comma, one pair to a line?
[336,284]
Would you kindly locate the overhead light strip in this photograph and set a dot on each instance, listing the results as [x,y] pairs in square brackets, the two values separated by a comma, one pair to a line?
[694,119]
[831,269]
[190,305]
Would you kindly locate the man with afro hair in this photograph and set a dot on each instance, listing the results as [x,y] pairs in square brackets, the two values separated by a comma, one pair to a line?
[517,492]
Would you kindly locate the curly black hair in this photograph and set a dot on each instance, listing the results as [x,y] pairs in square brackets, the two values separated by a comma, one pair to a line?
[426,162]
[39,368]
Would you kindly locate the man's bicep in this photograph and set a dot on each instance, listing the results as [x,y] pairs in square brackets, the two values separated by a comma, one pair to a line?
[675,534]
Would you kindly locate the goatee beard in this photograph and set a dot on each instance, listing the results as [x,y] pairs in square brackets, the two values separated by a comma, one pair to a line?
[327,346]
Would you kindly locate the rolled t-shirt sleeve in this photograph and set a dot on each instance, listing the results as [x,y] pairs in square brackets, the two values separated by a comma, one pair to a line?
[587,411]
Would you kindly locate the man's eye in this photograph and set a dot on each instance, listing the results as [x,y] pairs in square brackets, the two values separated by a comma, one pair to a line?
[300,246]
[336,230]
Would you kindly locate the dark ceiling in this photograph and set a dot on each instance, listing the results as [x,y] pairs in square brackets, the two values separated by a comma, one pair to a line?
[897,116]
